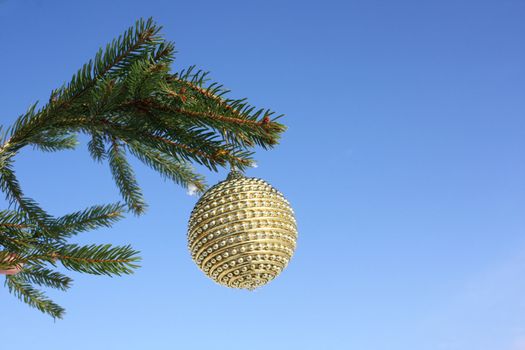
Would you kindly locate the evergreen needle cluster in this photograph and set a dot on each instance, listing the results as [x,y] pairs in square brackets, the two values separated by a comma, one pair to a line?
[128,102]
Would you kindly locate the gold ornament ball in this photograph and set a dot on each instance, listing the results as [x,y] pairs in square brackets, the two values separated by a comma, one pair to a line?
[242,232]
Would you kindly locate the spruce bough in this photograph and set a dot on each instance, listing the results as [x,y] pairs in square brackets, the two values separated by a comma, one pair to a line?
[128,102]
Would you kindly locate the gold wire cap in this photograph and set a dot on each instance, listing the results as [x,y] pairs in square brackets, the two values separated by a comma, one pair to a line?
[235,174]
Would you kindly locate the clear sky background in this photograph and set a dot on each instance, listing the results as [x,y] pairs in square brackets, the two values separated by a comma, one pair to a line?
[404,161]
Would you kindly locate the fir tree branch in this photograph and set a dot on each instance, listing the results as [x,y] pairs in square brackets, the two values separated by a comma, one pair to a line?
[12,218]
[10,186]
[133,45]
[222,156]
[179,172]
[96,146]
[45,277]
[33,297]
[125,179]
[89,219]
[98,259]
[54,141]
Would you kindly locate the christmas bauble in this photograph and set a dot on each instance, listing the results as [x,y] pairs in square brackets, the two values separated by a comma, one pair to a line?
[242,232]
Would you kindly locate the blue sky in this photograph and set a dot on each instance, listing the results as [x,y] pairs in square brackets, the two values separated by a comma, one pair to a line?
[404,161]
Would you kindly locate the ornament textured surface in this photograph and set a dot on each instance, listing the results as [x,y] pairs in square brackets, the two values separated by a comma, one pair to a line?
[242,232]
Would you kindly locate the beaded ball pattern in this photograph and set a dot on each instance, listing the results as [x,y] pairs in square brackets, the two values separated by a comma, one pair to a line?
[242,232]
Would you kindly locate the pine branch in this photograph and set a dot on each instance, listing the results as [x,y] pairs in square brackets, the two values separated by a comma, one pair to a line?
[179,172]
[178,150]
[14,235]
[10,186]
[89,219]
[45,277]
[137,42]
[33,297]
[96,146]
[12,218]
[98,259]
[13,241]
[255,126]
[54,141]
[125,179]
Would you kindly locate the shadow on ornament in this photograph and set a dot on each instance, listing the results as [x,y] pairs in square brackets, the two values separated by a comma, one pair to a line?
[242,232]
